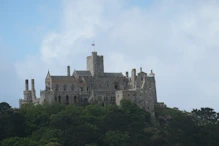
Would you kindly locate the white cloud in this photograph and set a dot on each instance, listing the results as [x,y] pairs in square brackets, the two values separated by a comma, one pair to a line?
[177,40]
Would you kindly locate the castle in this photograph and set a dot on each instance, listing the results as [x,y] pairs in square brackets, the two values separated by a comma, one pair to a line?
[95,86]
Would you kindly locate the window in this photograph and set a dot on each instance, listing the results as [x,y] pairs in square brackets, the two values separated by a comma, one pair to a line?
[75,99]
[67,99]
[87,88]
[65,87]
[128,94]
[57,87]
[107,85]
[116,86]
[72,87]
[106,98]
[142,78]
[55,98]
[81,89]
[59,99]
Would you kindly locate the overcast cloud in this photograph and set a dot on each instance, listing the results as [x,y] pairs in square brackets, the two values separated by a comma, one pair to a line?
[177,39]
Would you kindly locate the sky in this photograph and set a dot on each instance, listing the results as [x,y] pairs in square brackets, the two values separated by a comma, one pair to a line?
[178,40]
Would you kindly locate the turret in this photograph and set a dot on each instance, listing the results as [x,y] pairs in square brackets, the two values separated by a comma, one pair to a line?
[133,74]
[127,74]
[32,85]
[33,89]
[133,78]
[152,74]
[68,70]
[27,93]
[26,85]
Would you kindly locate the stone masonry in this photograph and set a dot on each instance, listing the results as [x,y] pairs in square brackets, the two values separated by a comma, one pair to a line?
[95,86]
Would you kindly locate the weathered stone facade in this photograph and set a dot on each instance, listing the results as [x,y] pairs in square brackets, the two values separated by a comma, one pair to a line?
[95,86]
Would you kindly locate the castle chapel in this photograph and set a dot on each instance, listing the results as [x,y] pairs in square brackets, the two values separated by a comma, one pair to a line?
[93,85]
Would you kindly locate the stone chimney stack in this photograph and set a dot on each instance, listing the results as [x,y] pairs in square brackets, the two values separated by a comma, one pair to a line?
[134,73]
[133,78]
[127,74]
[32,84]
[26,85]
[68,71]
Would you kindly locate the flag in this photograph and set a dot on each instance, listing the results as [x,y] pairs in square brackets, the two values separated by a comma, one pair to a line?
[93,44]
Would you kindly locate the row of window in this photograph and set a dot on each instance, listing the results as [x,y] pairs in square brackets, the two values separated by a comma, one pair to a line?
[81,88]
[72,88]
[59,99]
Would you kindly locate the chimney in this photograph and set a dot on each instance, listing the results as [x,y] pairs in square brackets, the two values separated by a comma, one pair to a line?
[68,71]
[127,74]
[140,69]
[32,84]
[26,85]
[134,72]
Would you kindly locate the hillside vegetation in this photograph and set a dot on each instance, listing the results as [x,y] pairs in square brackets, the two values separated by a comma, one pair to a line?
[93,125]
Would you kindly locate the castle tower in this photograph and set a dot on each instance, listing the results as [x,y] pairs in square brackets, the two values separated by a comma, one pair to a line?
[27,93]
[152,86]
[95,64]
[33,89]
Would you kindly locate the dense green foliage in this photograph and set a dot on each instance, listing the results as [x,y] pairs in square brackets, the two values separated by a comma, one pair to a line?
[93,125]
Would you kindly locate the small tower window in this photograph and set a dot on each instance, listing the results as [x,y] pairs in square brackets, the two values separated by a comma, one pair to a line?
[87,88]
[81,89]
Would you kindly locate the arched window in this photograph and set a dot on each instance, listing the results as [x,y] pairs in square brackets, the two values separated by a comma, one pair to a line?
[65,87]
[72,87]
[67,100]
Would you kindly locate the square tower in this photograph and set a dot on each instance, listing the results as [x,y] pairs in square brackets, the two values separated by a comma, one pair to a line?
[95,64]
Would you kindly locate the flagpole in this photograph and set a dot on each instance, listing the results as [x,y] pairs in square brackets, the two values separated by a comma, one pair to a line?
[93,44]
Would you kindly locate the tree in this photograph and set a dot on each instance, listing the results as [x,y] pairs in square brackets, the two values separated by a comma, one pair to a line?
[205,116]
[16,141]
[117,138]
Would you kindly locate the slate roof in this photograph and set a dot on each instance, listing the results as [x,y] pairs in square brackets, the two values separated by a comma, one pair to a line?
[113,74]
[62,77]
[82,73]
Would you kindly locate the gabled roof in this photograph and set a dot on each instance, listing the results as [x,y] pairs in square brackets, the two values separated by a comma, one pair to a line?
[82,72]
